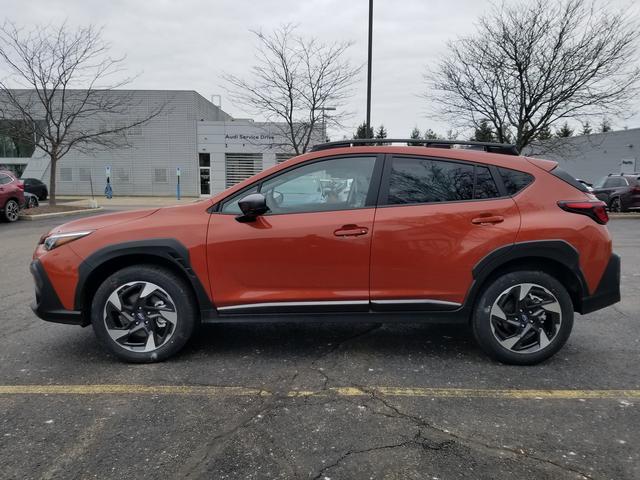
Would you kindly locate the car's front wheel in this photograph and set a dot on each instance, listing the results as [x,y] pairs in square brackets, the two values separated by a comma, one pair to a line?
[523,318]
[143,313]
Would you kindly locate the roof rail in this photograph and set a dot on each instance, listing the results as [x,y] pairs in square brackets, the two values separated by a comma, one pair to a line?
[503,148]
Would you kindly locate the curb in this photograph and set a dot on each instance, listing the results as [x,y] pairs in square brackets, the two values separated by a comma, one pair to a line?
[626,216]
[43,216]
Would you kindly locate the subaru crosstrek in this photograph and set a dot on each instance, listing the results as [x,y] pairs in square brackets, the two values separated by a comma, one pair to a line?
[510,245]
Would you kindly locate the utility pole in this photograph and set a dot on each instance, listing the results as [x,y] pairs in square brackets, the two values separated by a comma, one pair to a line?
[369,66]
[324,120]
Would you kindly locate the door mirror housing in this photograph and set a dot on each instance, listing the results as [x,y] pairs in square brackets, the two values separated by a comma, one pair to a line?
[252,206]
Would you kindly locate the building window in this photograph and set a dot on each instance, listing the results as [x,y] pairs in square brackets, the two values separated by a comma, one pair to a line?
[281,157]
[240,166]
[66,174]
[122,175]
[160,175]
[204,159]
[84,174]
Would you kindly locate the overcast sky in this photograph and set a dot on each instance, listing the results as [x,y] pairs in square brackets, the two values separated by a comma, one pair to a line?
[187,44]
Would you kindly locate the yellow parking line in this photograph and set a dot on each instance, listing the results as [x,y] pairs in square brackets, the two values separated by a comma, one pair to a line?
[222,391]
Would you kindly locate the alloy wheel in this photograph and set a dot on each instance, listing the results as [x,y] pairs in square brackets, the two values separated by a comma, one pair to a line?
[526,318]
[12,210]
[140,316]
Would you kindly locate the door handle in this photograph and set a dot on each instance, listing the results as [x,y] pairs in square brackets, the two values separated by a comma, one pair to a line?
[351,231]
[488,220]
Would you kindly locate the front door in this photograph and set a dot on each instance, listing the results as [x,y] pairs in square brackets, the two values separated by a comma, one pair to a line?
[310,252]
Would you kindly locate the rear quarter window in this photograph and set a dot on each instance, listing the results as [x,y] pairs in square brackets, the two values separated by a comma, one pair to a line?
[514,181]
[567,177]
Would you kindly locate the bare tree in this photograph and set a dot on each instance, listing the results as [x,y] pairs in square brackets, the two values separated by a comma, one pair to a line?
[532,64]
[59,94]
[293,79]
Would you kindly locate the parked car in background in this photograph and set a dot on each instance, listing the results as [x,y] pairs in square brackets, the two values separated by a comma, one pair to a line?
[589,186]
[36,187]
[506,244]
[621,192]
[30,200]
[11,196]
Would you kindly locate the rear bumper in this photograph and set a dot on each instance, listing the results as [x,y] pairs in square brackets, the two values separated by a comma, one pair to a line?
[47,305]
[608,291]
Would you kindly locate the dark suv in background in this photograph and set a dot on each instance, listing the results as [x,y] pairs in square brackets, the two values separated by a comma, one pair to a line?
[36,187]
[621,192]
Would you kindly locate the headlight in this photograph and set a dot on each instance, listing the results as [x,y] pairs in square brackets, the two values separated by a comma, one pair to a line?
[57,239]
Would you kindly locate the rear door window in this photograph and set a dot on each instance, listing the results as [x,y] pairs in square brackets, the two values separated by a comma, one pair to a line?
[414,180]
[485,186]
[424,180]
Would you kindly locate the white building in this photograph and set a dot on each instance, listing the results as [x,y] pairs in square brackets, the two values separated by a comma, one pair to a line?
[209,148]
[592,157]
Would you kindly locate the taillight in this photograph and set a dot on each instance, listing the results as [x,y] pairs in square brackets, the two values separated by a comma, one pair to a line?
[597,209]
[635,189]
[20,185]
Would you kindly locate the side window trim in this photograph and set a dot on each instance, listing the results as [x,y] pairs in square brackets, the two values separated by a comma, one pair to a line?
[372,194]
[383,195]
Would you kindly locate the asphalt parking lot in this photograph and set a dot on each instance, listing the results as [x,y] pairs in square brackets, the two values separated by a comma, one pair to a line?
[315,401]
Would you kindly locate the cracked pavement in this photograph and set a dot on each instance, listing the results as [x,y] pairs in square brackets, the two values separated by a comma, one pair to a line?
[324,435]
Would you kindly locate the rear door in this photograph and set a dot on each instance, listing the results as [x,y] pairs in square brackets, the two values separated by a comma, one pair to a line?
[435,220]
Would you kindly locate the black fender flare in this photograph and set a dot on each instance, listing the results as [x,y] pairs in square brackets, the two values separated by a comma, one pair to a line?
[168,249]
[558,251]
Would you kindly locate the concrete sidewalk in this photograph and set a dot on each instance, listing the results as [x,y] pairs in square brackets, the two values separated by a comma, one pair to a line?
[126,202]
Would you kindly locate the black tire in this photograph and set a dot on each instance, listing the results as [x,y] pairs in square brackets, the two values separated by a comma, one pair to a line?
[179,296]
[11,211]
[615,205]
[487,327]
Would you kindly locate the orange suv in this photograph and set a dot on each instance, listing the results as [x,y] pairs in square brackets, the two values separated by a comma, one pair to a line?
[450,232]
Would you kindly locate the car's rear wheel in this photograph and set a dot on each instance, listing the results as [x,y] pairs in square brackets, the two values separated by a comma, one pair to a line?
[523,318]
[11,211]
[616,205]
[143,313]
[32,202]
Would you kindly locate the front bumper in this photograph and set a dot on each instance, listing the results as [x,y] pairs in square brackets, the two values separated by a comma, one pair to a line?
[47,305]
[608,291]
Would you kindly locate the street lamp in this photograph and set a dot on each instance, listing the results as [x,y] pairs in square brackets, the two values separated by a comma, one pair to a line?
[369,66]
[324,123]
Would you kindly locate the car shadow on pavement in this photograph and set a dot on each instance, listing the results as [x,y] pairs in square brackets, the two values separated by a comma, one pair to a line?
[311,339]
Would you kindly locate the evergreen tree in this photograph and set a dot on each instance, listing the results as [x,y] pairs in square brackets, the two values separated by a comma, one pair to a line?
[415,134]
[605,126]
[544,133]
[431,135]
[484,132]
[586,128]
[565,131]
[381,132]
[363,131]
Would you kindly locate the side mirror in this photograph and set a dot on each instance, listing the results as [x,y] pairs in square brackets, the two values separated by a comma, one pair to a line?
[252,206]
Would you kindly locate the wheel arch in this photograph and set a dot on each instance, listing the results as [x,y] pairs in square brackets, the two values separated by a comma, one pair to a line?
[555,257]
[166,253]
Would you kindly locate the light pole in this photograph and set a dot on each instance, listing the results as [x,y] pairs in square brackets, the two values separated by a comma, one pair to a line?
[369,67]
